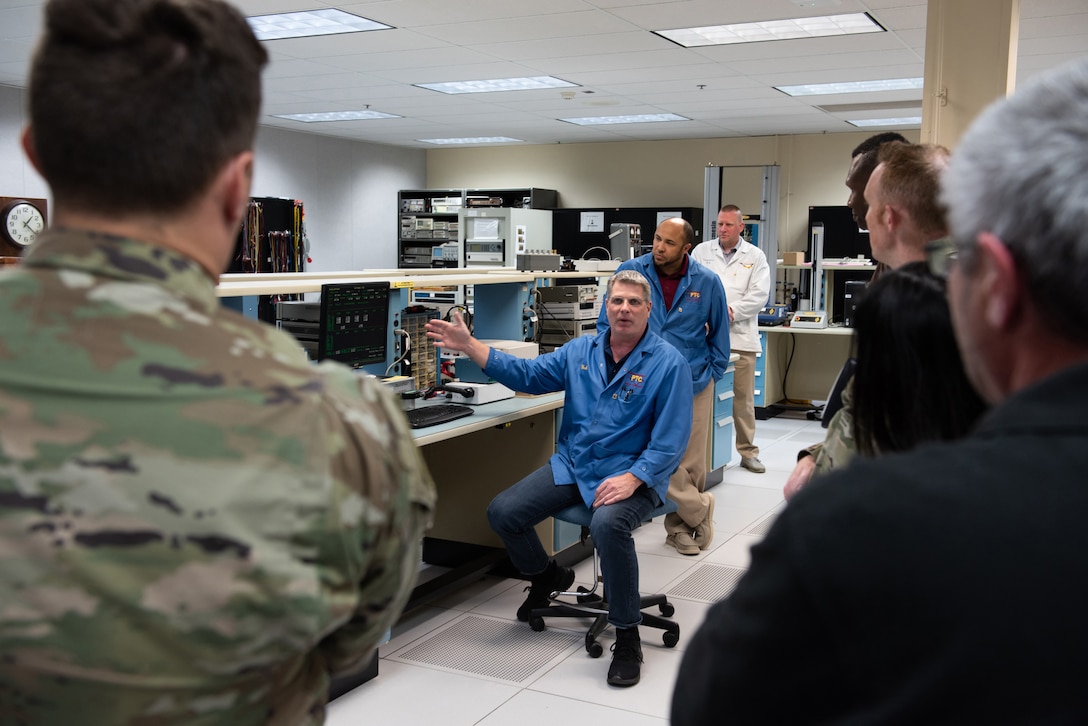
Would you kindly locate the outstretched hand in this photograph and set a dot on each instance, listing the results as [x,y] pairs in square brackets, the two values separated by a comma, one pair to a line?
[451,335]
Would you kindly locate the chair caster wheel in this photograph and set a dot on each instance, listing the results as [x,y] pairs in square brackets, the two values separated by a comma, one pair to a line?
[536,623]
[595,649]
[670,639]
[667,609]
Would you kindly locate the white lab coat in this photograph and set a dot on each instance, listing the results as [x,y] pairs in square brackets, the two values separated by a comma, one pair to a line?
[747,281]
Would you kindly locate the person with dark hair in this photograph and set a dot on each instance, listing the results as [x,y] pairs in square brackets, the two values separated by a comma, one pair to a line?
[862,162]
[690,312]
[197,525]
[943,585]
[903,214]
[909,386]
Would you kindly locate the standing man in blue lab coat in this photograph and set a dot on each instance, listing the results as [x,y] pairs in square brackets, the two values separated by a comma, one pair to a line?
[625,422]
[689,311]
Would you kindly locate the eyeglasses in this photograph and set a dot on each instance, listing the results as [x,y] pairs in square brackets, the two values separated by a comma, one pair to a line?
[941,254]
[634,302]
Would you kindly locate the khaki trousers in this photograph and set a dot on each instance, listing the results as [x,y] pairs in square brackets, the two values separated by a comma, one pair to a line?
[744,406]
[687,483]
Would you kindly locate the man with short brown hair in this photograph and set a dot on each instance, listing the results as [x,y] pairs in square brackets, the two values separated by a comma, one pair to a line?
[197,525]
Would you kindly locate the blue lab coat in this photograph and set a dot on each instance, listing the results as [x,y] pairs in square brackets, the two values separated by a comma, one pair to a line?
[699,302]
[637,422]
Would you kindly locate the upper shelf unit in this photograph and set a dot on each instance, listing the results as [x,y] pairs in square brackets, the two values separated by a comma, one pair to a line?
[428,219]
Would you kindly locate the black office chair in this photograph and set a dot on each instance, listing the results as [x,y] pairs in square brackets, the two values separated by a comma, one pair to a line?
[591,604]
[834,397]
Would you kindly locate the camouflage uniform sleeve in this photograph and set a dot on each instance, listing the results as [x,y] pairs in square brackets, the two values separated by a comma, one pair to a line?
[388,504]
[838,447]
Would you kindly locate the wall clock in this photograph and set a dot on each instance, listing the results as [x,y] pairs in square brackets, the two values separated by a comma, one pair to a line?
[21,221]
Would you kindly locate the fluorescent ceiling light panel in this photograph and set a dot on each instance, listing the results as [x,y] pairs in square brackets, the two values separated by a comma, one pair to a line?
[788,29]
[827,89]
[473,140]
[309,23]
[639,119]
[310,118]
[498,84]
[871,122]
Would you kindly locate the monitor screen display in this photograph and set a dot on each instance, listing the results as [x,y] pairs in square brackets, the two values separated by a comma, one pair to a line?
[842,238]
[354,323]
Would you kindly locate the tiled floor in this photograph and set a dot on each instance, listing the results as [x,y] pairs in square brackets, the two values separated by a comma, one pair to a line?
[466,660]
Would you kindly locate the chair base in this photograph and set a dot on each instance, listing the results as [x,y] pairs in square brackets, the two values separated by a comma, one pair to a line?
[589,604]
[592,606]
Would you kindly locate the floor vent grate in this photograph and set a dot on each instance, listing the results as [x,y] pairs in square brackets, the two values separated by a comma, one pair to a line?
[709,583]
[761,527]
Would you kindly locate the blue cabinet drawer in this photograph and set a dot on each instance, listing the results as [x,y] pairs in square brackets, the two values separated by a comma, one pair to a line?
[720,446]
[723,395]
[722,438]
[761,369]
[723,404]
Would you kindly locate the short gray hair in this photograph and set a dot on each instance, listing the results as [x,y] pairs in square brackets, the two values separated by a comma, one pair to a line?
[630,277]
[1021,173]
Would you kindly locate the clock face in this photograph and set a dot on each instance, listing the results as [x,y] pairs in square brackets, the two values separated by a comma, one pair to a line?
[23,222]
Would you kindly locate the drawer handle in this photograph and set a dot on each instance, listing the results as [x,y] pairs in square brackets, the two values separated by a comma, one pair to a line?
[757,392]
[724,422]
[730,369]
[726,395]
[759,373]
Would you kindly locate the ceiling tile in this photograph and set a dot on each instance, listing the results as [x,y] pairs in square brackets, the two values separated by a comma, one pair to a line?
[604,46]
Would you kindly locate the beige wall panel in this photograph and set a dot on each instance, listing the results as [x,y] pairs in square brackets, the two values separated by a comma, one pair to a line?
[664,173]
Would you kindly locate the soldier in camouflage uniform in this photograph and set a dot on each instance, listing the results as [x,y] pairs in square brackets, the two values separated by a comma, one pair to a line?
[197,526]
[838,446]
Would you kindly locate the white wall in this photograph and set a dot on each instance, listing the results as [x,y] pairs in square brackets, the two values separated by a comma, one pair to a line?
[17,176]
[349,189]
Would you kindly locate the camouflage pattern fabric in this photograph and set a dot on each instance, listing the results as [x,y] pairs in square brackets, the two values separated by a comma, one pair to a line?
[197,526]
[838,447]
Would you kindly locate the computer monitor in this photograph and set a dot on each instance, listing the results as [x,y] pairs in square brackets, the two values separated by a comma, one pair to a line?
[842,237]
[354,323]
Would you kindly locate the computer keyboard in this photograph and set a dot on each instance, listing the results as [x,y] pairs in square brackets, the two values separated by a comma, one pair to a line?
[438,413]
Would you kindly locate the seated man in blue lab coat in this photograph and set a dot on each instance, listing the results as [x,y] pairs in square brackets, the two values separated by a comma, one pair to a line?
[690,312]
[626,422]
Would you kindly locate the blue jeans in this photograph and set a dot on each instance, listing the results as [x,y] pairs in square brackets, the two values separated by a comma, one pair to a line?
[515,512]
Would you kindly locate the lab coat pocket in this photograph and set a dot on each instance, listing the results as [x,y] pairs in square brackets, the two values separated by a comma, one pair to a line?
[628,405]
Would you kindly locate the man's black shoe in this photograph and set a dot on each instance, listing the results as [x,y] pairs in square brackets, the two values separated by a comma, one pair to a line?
[553,579]
[626,665]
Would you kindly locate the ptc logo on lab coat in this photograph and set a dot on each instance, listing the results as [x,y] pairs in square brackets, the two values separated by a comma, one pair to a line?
[635,380]
[694,294]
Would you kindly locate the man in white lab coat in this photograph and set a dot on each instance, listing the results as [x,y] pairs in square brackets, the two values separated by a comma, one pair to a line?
[743,270]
